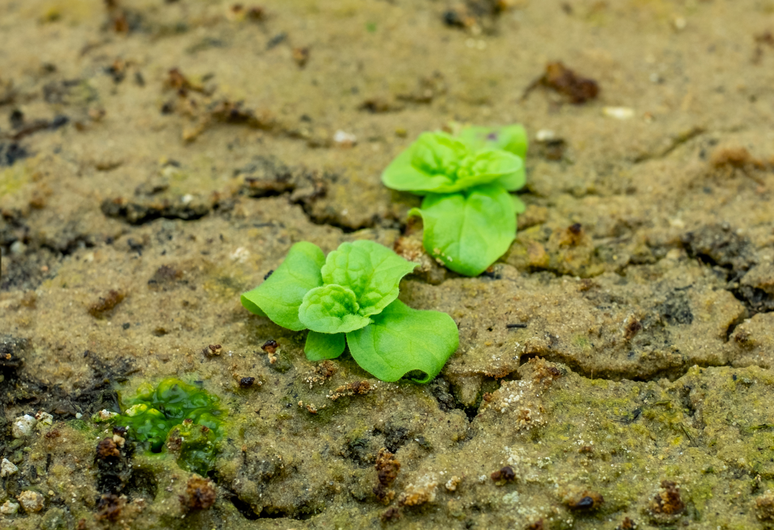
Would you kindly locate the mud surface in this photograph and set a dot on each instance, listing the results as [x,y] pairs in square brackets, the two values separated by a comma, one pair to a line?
[157,158]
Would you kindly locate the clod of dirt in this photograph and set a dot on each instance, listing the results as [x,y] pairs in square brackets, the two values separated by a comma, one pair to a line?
[764,506]
[246,382]
[110,506]
[106,304]
[476,15]
[667,504]
[31,501]
[387,468]
[719,244]
[352,389]
[421,491]
[626,524]
[137,213]
[577,89]
[10,153]
[390,515]
[587,500]
[165,277]
[503,475]
[200,494]
[301,56]
[12,350]
[735,157]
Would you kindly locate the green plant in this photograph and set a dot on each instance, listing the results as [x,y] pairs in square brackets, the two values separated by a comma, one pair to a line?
[469,216]
[351,298]
[176,415]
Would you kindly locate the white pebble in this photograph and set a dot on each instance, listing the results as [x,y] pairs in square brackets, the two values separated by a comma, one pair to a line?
[344,138]
[17,248]
[619,113]
[31,501]
[545,135]
[44,418]
[7,468]
[22,426]
[9,508]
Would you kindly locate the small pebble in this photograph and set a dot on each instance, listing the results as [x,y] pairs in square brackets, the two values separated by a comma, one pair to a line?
[344,139]
[7,468]
[619,113]
[31,501]
[22,426]
[9,508]
[545,135]
[44,418]
[18,248]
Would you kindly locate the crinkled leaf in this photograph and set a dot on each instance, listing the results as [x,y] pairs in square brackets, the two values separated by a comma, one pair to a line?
[372,271]
[331,309]
[512,138]
[321,346]
[485,167]
[428,164]
[403,340]
[440,163]
[468,231]
[282,293]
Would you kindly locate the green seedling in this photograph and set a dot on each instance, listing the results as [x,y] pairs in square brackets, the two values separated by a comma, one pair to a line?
[351,298]
[178,417]
[469,217]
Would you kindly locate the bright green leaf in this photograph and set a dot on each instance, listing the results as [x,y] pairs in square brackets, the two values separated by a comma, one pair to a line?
[331,309]
[440,163]
[321,346]
[468,231]
[282,293]
[512,138]
[403,340]
[372,271]
[486,167]
[518,205]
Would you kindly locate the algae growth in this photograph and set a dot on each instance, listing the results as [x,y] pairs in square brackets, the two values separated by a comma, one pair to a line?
[178,416]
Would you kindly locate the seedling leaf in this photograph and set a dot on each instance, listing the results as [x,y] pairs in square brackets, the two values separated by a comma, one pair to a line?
[440,163]
[331,309]
[321,346]
[280,296]
[403,340]
[372,271]
[468,231]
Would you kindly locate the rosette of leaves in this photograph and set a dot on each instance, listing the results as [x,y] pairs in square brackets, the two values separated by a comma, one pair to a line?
[350,299]
[468,213]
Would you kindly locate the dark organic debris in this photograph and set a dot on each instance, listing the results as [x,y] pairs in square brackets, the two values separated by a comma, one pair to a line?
[110,506]
[246,382]
[668,500]
[390,514]
[200,494]
[588,500]
[10,153]
[106,304]
[136,213]
[577,89]
[503,475]
[12,351]
[387,468]
[719,244]
[24,128]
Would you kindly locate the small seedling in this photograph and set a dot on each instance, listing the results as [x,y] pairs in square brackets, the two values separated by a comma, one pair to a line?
[351,298]
[469,216]
[175,415]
